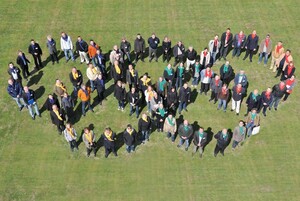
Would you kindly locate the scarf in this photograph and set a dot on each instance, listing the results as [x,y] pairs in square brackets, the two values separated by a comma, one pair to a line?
[225,69]
[253,36]
[290,68]
[65,38]
[170,121]
[94,70]
[208,73]
[281,86]
[57,114]
[108,136]
[130,132]
[253,115]
[205,53]
[145,82]
[62,87]
[268,94]
[241,130]
[200,135]
[278,48]
[88,136]
[217,82]
[118,70]
[145,119]
[254,97]
[51,42]
[162,112]
[267,42]
[224,90]
[224,136]
[169,71]
[132,72]
[70,131]
[197,68]
[75,75]
[161,85]
[180,71]
[215,43]
[186,128]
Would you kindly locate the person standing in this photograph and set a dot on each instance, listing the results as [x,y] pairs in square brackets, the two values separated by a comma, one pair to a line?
[251,45]
[237,94]
[134,101]
[290,84]
[109,142]
[51,45]
[51,100]
[283,62]
[223,96]
[265,49]
[180,76]
[100,86]
[57,118]
[226,42]
[252,120]
[276,55]
[23,62]
[204,58]
[66,45]
[14,73]
[153,42]
[160,117]
[76,80]
[125,47]
[71,136]
[196,74]
[226,73]
[278,92]
[14,89]
[191,58]
[185,132]
[100,62]
[253,101]
[144,126]
[88,137]
[85,97]
[129,137]
[92,72]
[162,88]
[215,86]
[117,71]
[238,44]
[59,90]
[82,49]
[288,71]
[178,52]
[67,104]
[166,45]
[169,75]
[35,50]
[266,100]
[239,133]
[241,79]
[120,94]
[214,46]
[200,140]
[170,127]
[206,77]
[139,48]
[92,51]
[222,141]
[132,76]
[172,100]
[184,97]
[29,99]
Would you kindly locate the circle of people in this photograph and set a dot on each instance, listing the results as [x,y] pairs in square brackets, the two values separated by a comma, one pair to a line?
[170,94]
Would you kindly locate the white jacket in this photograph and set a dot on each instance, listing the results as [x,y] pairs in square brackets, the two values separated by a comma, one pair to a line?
[66,45]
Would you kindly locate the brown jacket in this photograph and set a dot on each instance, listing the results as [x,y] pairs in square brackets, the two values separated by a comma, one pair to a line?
[262,44]
[275,54]
[256,120]
[170,128]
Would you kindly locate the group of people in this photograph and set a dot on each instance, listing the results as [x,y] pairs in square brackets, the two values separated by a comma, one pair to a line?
[170,94]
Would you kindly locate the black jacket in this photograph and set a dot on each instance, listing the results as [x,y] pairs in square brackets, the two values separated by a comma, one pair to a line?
[172,98]
[120,93]
[196,139]
[50,103]
[35,49]
[169,77]
[15,70]
[29,98]
[107,143]
[100,85]
[129,139]
[133,98]
[251,103]
[175,50]
[78,81]
[251,43]
[166,46]
[81,46]
[184,94]
[55,119]
[276,92]
[125,46]
[153,43]
[191,55]
[139,45]
[20,61]
[132,79]
[221,142]
[223,38]
[226,75]
[143,125]
[237,96]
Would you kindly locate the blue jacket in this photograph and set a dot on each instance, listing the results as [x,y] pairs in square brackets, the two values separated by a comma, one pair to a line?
[252,43]
[153,43]
[243,82]
[14,90]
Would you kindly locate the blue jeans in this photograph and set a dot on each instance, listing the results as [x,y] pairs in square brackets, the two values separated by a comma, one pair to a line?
[92,85]
[145,135]
[249,127]
[214,54]
[94,61]
[20,102]
[178,82]
[275,101]
[182,105]
[121,103]
[195,81]
[136,110]
[169,135]
[236,51]
[83,104]
[130,148]
[36,109]
[186,142]
[234,143]
[222,102]
[66,51]
[265,55]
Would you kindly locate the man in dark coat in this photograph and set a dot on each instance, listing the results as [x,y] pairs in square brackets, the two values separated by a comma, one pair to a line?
[35,50]
[23,62]
[76,79]
[200,139]
[14,89]
[144,126]
[129,137]
[82,49]
[153,42]
[109,138]
[226,41]
[185,132]
[120,94]
[278,92]
[184,97]
[222,141]
[134,101]
[57,118]
[100,86]
[253,101]
[125,47]
[178,52]
[139,47]
[251,45]
[226,73]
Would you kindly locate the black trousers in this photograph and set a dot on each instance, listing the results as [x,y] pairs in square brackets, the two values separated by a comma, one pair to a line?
[54,57]
[37,61]
[213,96]
[219,149]
[160,124]
[25,71]
[249,52]
[89,150]
[73,145]
[100,96]
[167,56]
[204,87]
[109,149]
[223,52]
[139,54]
[179,59]
[286,95]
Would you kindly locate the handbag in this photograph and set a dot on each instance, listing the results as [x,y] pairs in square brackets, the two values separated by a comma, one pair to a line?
[255,130]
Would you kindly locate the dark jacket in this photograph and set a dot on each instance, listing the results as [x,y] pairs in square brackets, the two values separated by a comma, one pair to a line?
[172,98]
[276,92]
[191,55]
[55,119]
[81,46]
[14,90]
[285,74]
[143,125]
[120,93]
[222,95]
[243,82]
[229,41]
[185,133]
[14,70]
[236,40]
[139,45]
[107,143]
[251,43]
[166,46]
[50,103]
[133,98]
[153,43]
[221,142]
[237,96]
[129,139]
[100,85]
[169,77]
[184,94]
[114,73]
[264,99]
[20,61]
[196,139]
[29,98]
[132,79]
[164,91]
[251,103]
[125,46]
[215,87]
[175,50]
[78,81]
[35,49]
[226,75]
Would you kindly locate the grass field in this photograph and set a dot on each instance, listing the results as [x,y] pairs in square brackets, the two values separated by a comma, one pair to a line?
[36,163]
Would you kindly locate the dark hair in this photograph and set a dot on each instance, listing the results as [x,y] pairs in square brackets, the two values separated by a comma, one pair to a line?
[129,126]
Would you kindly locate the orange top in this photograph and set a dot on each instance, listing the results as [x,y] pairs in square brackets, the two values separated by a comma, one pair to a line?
[83,96]
[92,50]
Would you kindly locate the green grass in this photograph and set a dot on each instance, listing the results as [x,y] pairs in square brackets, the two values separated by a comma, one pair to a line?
[36,163]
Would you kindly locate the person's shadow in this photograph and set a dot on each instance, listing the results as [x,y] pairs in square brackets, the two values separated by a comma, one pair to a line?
[194,95]
[210,136]
[35,78]
[119,142]
[179,121]
[39,92]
